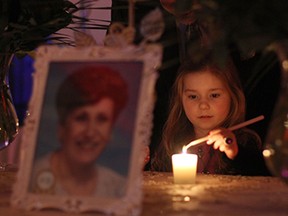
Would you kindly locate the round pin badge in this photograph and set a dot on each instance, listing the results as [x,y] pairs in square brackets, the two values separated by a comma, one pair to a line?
[45,181]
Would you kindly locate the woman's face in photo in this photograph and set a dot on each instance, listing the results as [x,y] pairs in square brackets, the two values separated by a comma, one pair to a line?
[87,130]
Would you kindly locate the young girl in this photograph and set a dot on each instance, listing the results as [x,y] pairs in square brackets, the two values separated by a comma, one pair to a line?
[207,99]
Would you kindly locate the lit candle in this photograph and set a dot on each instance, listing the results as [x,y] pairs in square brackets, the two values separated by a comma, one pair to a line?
[184,168]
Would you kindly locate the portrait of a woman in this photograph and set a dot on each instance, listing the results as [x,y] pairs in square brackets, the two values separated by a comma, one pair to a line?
[88,103]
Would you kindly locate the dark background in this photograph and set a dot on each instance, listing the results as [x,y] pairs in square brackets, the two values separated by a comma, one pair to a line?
[260,74]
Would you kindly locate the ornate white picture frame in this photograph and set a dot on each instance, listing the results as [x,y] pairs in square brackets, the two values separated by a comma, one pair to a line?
[37,186]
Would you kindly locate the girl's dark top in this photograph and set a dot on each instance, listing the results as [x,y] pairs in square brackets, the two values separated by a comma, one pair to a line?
[249,160]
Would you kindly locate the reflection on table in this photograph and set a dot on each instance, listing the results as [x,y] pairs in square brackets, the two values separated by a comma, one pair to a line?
[214,195]
[211,195]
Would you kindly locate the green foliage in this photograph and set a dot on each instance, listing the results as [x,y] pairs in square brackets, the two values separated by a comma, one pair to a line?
[25,24]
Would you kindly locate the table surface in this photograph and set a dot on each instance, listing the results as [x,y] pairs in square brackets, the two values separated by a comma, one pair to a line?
[210,195]
[215,195]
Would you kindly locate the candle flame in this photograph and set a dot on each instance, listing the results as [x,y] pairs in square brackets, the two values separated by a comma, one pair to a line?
[184,149]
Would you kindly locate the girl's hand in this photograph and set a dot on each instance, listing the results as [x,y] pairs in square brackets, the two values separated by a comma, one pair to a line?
[224,140]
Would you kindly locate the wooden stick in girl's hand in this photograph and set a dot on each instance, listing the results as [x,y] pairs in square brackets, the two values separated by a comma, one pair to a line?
[235,127]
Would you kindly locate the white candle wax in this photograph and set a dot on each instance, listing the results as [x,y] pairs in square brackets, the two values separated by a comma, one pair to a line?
[184,168]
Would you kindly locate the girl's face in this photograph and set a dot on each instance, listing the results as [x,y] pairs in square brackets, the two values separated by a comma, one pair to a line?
[86,131]
[206,101]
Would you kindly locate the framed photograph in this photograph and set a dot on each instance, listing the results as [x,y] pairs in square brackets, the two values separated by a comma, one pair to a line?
[90,119]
